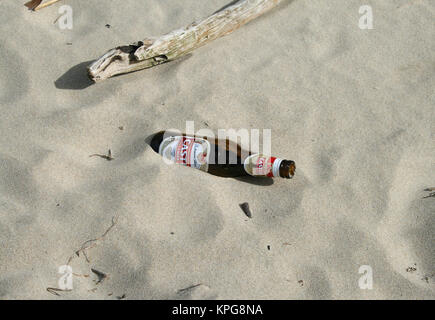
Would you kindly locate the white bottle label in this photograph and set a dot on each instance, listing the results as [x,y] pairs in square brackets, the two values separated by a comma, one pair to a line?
[187,151]
[262,165]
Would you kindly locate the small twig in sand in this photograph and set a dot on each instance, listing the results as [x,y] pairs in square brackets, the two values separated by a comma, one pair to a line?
[56,290]
[35,5]
[80,275]
[188,288]
[92,243]
[431,194]
[427,277]
[100,275]
[154,51]
[108,157]
[57,19]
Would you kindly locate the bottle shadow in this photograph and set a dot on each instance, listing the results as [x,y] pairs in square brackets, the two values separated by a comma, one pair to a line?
[258,181]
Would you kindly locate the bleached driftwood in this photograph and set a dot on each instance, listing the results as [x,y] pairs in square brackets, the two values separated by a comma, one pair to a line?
[36,4]
[154,51]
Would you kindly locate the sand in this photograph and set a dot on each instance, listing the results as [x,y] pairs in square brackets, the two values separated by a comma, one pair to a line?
[354,108]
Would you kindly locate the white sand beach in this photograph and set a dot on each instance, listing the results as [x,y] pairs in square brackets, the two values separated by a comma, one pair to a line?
[353,108]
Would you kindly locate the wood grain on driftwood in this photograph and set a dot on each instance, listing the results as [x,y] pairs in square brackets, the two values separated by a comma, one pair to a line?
[36,4]
[154,51]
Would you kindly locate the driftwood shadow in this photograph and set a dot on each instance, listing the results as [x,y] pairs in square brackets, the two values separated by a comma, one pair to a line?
[75,78]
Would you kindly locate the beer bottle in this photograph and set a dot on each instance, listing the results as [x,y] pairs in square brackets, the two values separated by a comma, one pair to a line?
[218,157]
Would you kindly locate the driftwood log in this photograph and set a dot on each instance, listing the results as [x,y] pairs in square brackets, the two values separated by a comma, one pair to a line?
[154,51]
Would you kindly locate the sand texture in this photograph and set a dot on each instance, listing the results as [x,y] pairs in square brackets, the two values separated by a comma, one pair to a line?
[353,108]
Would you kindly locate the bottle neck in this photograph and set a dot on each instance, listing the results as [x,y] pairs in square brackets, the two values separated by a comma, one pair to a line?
[267,166]
[282,168]
[276,164]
